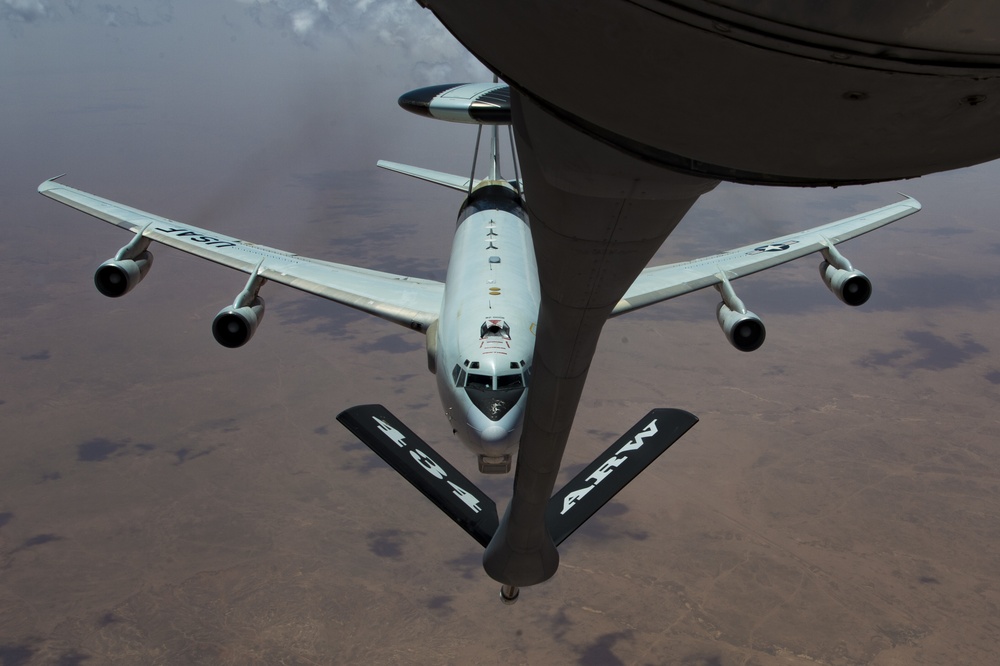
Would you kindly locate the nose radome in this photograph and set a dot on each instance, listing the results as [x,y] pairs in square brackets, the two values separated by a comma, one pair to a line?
[493,433]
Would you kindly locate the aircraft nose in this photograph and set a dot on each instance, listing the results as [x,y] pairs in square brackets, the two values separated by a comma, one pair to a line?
[493,433]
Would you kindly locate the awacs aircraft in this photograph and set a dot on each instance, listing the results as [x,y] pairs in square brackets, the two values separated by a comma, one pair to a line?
[480,328]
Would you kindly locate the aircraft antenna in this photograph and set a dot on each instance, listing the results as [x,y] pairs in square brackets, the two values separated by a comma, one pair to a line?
[495,154]
[513,157]
[495,146]
[475,154]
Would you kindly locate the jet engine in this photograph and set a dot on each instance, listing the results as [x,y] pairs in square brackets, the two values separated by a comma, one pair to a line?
[234,326]
[849,285]
[743,328]
[119,275]
[116,277]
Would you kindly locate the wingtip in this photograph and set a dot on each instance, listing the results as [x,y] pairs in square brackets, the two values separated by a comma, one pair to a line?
[916,204]
[48,184]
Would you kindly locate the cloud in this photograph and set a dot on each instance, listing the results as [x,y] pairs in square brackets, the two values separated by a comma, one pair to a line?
[373,27]
[156,13]
[391,35]
[23,10]
[151,12]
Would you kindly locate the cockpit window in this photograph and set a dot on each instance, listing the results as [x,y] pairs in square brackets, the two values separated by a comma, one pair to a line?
[509,381]
[479,382]
[493,400]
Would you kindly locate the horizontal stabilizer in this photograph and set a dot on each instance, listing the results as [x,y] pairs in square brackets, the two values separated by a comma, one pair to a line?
[423,467]
[614,469]
[460,183]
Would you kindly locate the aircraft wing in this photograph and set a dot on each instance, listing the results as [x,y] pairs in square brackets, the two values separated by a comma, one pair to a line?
[411,302]
[661,283]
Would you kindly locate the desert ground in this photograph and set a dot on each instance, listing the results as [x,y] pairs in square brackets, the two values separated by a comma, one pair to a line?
[164,500]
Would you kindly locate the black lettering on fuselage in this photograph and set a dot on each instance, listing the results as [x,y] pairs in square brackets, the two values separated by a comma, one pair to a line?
[196,237]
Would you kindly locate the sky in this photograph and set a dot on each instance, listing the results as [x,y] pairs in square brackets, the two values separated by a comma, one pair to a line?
[165,500]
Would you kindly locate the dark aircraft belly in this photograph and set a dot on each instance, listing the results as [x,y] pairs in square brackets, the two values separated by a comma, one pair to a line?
[761,92]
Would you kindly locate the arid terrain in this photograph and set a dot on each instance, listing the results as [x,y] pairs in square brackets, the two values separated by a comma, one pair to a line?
[164,500]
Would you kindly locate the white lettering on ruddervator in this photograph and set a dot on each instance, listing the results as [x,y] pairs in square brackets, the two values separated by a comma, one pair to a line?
[608,466]
[390,432]
[427,464]
[471,500]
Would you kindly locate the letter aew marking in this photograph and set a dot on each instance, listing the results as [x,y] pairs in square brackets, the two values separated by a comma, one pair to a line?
[616,467]
[427,463]
[608,466]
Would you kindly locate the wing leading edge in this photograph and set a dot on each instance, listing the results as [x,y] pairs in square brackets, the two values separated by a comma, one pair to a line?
[411,302]
[661,283]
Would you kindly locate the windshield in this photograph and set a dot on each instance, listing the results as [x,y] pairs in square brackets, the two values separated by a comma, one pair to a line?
[479,382]
[492,395]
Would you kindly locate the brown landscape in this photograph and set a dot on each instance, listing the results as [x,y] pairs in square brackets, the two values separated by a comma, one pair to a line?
[164,500]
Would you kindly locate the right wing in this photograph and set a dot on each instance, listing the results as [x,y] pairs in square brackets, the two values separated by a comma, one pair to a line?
[661,283]
[411,302]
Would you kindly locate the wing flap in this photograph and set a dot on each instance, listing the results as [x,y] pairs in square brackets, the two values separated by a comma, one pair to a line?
[661,283]
[411,302]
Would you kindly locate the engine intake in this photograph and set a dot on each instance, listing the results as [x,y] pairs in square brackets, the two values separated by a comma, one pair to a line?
[850,286]
[744,330]
[117,277]
[233,327]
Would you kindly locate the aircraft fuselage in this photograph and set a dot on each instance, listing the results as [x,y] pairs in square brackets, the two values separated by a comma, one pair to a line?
[486,332]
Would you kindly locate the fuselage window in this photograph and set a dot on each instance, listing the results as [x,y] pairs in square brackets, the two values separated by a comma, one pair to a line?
[455,373]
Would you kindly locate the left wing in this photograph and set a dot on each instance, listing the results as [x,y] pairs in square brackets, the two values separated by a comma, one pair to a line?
[661,283]
[411,302]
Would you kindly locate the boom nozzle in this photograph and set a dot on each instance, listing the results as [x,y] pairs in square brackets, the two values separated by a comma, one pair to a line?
[509,594]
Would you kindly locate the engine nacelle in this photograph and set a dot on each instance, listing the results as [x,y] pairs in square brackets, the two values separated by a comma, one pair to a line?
[744,330]
[850,286]
[233,327]
[117,277]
